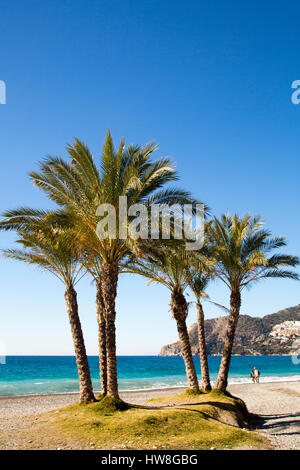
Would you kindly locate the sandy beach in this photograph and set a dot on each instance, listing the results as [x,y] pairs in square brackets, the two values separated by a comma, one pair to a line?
[275,407]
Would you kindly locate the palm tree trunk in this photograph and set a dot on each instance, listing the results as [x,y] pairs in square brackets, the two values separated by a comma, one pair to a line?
[109,293]
[101,339]
[235,305]
[85,383]
[179,310]
[202,349]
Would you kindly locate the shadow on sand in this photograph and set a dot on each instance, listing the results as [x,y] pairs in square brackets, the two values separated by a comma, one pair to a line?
[277,422]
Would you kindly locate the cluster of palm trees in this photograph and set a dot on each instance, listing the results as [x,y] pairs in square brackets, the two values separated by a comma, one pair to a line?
[237,250]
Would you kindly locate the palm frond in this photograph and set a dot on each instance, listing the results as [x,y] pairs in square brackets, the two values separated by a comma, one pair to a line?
[243,251]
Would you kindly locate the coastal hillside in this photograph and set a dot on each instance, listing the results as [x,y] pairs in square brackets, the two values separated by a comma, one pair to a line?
[272,334]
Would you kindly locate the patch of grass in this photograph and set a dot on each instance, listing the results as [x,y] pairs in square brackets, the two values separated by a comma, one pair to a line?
[185,397]
[109,405]
[100,396]
[193,422]
[192,392]
[218,393]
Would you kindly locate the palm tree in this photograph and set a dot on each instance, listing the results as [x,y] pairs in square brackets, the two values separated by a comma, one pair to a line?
[243,254]
[81,187]
[53,250]
[198,284]
[169,265]
[101,320]
[93,266]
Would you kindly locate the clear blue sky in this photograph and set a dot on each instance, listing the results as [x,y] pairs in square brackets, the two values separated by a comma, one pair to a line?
[209,81]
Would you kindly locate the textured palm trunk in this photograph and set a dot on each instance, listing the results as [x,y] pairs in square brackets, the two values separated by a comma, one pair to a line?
[202,348]
[109,293]
[101,339]
[235,305]
[179,310]
[85,383]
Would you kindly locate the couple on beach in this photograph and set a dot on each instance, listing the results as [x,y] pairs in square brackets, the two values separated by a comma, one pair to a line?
[255,375]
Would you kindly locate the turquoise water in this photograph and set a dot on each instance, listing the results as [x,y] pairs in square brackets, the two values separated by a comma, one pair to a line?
[22,375]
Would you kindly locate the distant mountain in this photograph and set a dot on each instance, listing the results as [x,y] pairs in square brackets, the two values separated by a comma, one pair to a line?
[254,336]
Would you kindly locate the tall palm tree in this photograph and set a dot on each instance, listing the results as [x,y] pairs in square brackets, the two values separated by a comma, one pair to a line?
[93,266]
[198,284]
[101,320]
[81,186]
[53,250]
[243,254]
[169,265]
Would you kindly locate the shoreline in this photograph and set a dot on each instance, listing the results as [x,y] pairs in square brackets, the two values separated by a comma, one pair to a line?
[146,390]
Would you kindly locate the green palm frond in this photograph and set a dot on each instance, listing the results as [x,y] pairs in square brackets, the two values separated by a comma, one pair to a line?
[167,263]
[280,273]
[80,186]
[22,218]
[82,160]
[198,284]
[48,242]
[220,306]
[243,251]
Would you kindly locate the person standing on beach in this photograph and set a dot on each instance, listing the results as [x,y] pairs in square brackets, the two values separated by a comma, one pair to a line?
[252,376]
[256,375]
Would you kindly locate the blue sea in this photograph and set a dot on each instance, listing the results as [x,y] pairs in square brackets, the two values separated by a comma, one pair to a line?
[27,375]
